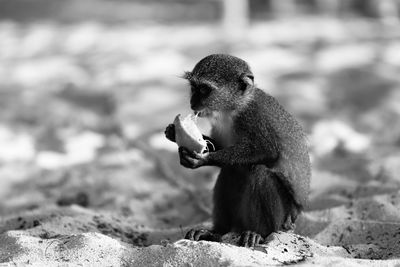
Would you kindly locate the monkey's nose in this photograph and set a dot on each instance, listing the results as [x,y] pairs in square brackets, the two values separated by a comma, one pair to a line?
[194,106]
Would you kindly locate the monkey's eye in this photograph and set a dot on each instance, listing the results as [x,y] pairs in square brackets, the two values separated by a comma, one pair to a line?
[204,90]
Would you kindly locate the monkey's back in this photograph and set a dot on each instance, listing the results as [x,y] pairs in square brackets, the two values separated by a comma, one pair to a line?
[265,119]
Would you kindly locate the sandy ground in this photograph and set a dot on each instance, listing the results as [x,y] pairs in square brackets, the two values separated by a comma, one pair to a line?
[87,178]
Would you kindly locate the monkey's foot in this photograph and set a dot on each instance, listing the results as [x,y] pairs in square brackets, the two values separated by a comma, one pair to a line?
[288,226]
[202,234]
[250,239]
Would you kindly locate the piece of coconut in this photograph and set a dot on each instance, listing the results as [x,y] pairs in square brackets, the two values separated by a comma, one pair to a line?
[188,135]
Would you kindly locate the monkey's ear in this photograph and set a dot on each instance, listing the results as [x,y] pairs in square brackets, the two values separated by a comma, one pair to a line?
[247,80]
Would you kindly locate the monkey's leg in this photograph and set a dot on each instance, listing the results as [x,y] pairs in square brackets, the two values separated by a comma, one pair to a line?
[224,193]
[228,192]
[264,208]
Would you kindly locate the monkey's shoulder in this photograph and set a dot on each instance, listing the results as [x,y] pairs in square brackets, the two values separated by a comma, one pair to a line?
[260,114]
[265,120]
[269,113]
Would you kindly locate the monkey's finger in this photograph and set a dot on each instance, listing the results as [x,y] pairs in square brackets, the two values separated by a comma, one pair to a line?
[171,128]
[258,240]
[170,138]
[170,132]
[182,153]
[197,155]
[252,240]
[188,162]
[244,239]
[185,163]
[193,154]
[190,234]
[187,151]
[214,237]
[183,150]
[193,164]
[201,235]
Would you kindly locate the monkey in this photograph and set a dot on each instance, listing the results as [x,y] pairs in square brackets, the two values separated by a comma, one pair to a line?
[260,148]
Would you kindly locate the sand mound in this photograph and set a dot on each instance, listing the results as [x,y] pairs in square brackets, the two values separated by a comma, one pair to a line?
[98,249]
[76,235]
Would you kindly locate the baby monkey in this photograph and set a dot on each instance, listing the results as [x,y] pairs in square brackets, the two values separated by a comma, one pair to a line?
[261,149]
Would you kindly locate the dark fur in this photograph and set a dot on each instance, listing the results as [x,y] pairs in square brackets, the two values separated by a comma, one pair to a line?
[265,169]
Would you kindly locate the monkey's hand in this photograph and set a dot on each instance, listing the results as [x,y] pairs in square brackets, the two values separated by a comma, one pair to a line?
[192,159]
[170,132]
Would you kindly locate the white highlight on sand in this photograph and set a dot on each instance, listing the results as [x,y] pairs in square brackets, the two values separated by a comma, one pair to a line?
[15,146]
[81,148]
[159,141]
[327,135]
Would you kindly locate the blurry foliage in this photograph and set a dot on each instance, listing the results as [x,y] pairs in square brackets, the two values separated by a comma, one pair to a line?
[109,11]
[117,11]
[102,103]
[360,89]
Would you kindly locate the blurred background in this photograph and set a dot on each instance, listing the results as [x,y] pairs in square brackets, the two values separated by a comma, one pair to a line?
[87,88]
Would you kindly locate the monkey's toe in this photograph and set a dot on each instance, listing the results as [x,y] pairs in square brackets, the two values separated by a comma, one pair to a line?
[202,234]
[288,226]
[250,239]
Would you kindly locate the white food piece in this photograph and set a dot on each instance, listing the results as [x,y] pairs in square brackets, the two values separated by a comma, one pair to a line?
[188,135]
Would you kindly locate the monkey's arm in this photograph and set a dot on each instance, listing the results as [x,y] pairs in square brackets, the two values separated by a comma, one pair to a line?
[245,152]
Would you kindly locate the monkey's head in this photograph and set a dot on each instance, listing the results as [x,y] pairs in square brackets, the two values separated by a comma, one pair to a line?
[219,83]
